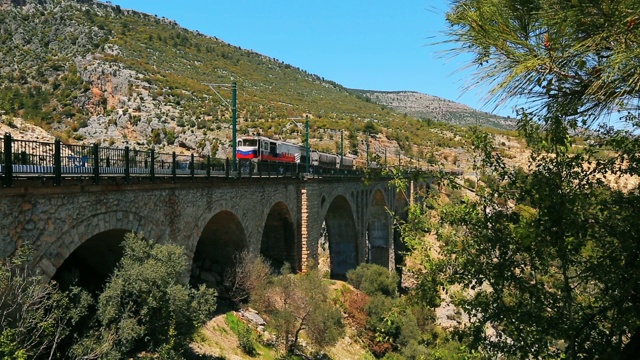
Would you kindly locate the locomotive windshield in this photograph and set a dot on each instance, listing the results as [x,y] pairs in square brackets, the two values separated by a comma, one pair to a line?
[248,142]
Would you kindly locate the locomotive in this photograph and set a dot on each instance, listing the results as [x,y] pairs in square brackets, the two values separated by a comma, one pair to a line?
[260,149]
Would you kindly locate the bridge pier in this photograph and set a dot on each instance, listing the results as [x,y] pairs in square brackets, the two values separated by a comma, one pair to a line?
[305,231]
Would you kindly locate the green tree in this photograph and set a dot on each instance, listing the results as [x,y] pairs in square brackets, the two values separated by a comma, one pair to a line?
[577,57]
[35,317]
[300,302]
[145,306]
[547,256]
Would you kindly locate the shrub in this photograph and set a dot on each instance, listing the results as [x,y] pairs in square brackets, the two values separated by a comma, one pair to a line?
[373,280]
[170,137]
[356,303]
[246,336]
[34,316]
[250,272]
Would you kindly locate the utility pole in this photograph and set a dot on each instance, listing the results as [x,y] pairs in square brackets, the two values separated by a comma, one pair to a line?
[234,89]
[306,140]
[307,148]
[341,148]
[367,150]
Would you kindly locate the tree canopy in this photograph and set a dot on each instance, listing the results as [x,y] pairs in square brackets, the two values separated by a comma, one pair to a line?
[544,259]
[577,56]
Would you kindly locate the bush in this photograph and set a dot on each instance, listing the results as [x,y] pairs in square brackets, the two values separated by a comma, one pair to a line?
[356,303]
[374,280]
[250,272]
[34,316]
[393,356]
[246,336]
[414,351]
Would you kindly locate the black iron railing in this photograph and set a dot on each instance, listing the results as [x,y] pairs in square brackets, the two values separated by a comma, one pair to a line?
[58,161]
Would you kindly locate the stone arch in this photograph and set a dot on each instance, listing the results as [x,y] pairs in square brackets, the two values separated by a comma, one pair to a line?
[222,238]
[278,242]
[90,264]
[76,234]
[342,237]
[378,230]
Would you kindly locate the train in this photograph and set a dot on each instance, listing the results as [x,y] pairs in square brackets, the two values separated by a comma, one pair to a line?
[259,149]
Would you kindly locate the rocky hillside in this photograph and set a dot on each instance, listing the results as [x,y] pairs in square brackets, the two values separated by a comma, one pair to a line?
[85,72]
[432,107]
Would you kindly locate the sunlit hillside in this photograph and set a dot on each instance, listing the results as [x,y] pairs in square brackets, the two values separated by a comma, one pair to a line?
[90,72]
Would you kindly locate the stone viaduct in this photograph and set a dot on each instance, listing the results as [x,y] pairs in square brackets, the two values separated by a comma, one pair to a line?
[285,220]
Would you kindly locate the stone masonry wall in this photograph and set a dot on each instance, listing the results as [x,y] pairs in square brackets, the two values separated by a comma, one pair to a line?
[56,220]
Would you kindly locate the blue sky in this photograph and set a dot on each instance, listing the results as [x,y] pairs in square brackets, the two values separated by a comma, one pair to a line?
[373,45]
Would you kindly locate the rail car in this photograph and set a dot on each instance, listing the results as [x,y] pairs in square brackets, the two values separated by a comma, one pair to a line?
[260,149]
[325,160]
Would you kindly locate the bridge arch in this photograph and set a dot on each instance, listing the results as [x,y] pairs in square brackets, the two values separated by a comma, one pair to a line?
[222,238]
[378,230]
[342,236]
[96,227]
[90,264]
[278,242]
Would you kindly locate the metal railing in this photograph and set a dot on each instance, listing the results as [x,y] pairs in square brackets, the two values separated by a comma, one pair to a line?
[58,161]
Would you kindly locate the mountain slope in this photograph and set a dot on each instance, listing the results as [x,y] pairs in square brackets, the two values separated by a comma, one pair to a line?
[88,72]
[428,106]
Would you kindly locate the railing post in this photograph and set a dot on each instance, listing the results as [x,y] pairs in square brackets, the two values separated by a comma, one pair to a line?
[173,167]
[152,169]
[192,166]
[208,166]
[126,165]
[57,163]
[226,167]
[8,162]
[96,164]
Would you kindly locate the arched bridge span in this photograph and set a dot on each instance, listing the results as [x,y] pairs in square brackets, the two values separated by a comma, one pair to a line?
[281,219]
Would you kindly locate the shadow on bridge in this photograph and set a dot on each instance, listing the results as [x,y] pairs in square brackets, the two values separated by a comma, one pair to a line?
[90,264]
[378,231]
[341,238]
[221,241]
[278,243]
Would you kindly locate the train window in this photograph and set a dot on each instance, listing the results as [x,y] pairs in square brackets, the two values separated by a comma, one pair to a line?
[251,142]
[239,142]
[265,146]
